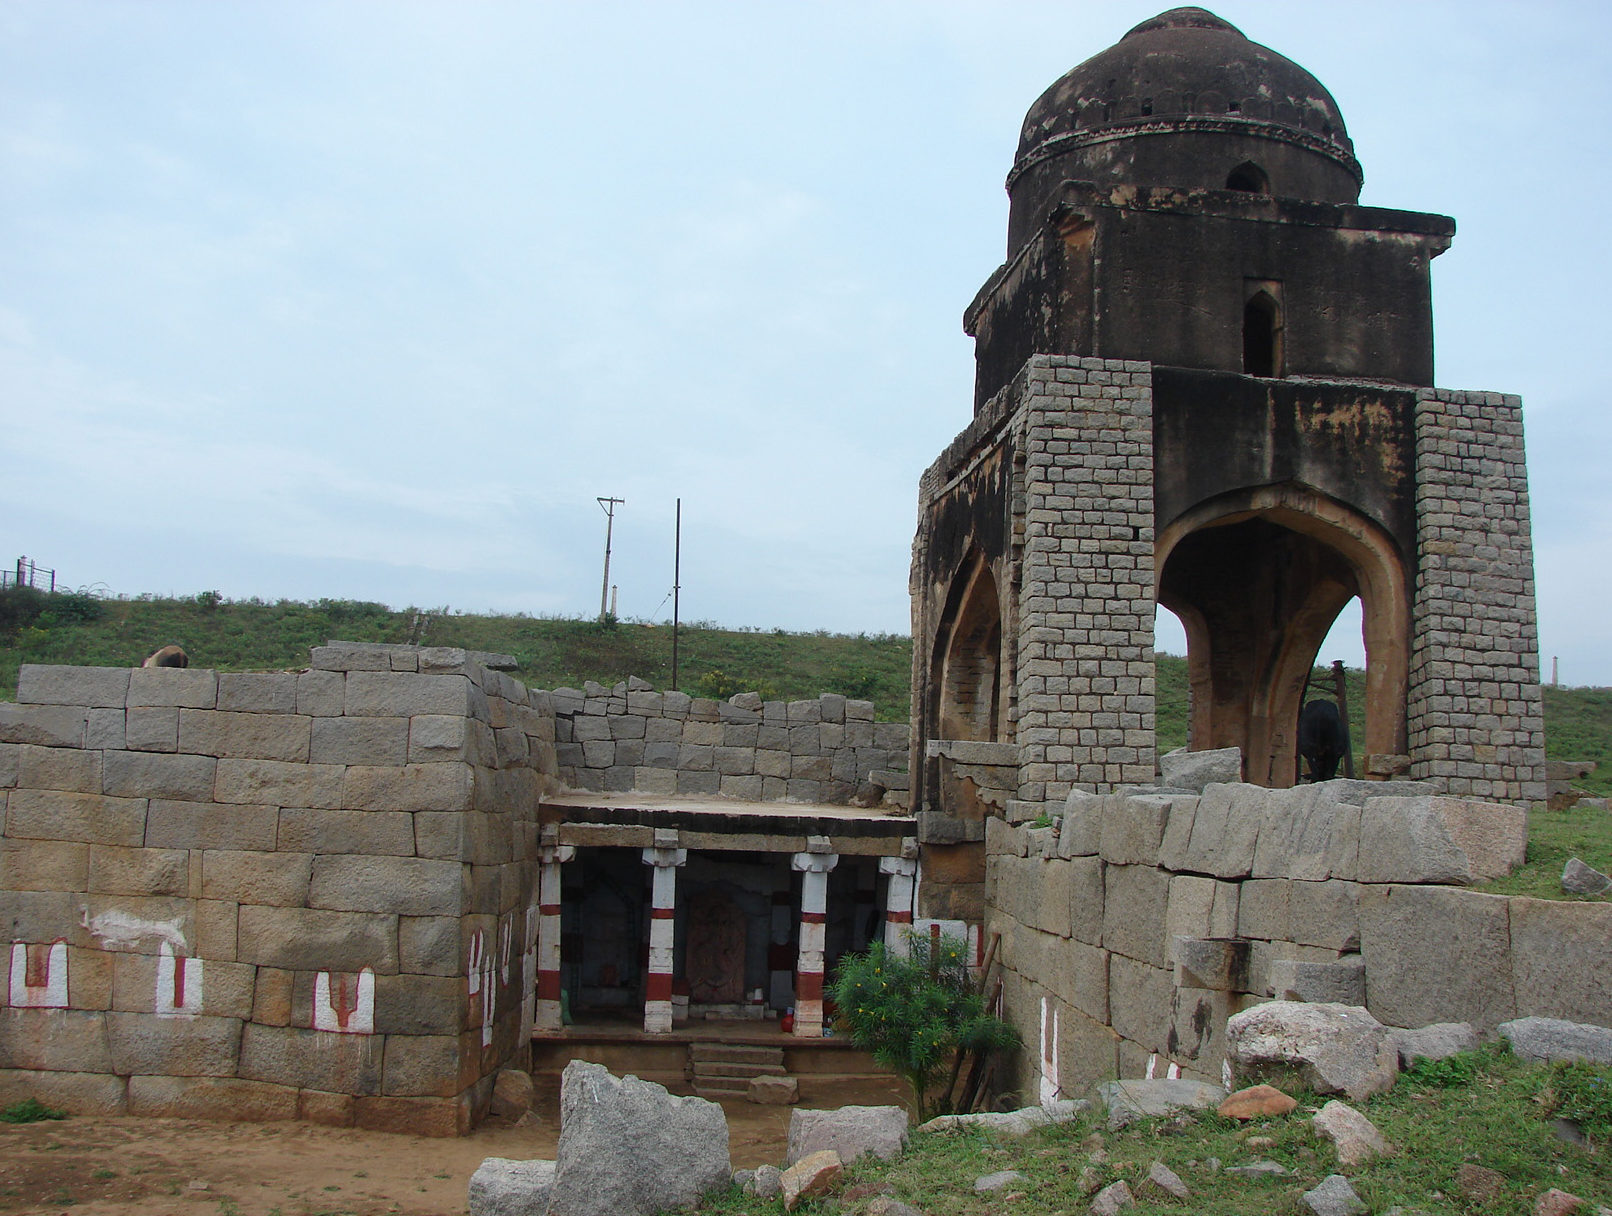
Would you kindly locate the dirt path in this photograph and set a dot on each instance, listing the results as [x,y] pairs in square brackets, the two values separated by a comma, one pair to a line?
[87,1166]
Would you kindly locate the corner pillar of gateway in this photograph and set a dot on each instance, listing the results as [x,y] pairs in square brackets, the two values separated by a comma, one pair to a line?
[814,866]
[543,938]
[901,888]
[666,858]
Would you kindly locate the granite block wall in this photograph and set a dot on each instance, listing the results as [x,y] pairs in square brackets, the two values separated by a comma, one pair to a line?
[631,738]
[1137,923]
[270,895]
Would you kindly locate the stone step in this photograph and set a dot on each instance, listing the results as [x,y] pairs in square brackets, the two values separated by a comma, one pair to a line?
[735,1052]
[721,1068]
[721,1089]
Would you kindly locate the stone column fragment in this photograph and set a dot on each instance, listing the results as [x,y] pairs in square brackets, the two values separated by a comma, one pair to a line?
[814,868]
[663,908]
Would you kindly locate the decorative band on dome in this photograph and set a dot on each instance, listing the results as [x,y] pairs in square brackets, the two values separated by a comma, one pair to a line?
[1068,141]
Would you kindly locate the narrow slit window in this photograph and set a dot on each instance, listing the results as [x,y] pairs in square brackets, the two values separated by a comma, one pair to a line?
[1262,336]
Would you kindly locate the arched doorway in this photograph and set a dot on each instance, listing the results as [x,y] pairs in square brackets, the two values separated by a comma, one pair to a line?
[1257,578]
[969,659]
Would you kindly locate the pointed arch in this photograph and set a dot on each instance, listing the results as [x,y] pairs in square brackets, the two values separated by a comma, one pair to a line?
[968,656]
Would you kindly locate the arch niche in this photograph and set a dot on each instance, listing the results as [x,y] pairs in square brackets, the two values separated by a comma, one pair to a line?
[969,659]
[1257,578]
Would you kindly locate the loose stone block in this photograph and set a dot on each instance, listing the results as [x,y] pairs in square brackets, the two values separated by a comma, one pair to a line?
[258,692]
[47,725]
[1220,835]
[1136,899]
[1561,958]
[394,694]
[224,1099]
[59,768]
[45,684]
[411,787]
[1440,840]
[152,728]
[93,818]
[316,939]
[410,886]
[1342,982]
[159,775]
[1133,828]
[1408,933]
[207,825]
[188,687]
[352,656]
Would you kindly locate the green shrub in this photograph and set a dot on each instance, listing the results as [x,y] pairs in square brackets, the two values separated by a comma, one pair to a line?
[30,1110]
[1583,1093]
[919,1015]
[1447,1073]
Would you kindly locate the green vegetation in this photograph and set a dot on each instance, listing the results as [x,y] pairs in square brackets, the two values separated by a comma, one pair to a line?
[920,1014]
[1554,837]
[250,635]
[1502,1117]
[30,1110]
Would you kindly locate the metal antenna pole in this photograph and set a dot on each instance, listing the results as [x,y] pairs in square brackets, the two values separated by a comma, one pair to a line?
[677,577]
[609,506]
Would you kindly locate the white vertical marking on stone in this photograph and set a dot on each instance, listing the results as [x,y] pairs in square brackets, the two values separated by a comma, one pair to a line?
[179,984]
[44,985]
[344,1003]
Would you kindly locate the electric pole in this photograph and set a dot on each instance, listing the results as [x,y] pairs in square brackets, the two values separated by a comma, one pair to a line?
[609,507]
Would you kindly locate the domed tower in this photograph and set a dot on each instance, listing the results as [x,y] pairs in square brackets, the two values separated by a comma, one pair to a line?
[1204,380]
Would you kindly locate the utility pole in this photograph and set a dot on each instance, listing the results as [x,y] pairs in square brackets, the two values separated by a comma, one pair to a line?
[609,507]
[677,578]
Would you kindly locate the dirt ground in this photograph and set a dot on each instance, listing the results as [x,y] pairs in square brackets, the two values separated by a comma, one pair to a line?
[90,1166]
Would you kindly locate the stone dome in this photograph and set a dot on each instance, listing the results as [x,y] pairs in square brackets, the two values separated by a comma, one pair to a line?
[1185,99]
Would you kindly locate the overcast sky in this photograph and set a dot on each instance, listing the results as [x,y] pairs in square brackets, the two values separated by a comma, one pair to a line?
[371,301]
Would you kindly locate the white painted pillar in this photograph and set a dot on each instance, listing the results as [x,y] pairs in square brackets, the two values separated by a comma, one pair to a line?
[902,872]
[814,868]
[663,910]
[546,1008]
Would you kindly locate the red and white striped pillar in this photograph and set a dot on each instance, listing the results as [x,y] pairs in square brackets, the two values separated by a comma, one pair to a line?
[814,869]
[898,898]
[546,1012]
[663,910]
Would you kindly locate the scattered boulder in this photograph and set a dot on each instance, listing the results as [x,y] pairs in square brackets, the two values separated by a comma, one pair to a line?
[1355,1137]
[1436,1042]
[1009,1123]
[1333,1196]
[998,1181]
[1167,1180]
[766,1182]
[814,1174]
[850,1131]
[1193,771]
[1259,1169]
[1552,1039]
[774,1091]
[502,1186]
[1337,1048]
[886,1206]
[1557,1203]
[1090,1180]
[1479,1183]
[512,1093]
[1128,1101]
[1580,878]
[1255,1102]
[1113,1198]
[677,1147]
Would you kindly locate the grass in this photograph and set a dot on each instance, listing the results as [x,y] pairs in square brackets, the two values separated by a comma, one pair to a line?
[1500,1117]
[1554,837]
[30,1110]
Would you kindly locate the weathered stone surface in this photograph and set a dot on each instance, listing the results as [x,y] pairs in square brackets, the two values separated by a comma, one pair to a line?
[221,1098]
[850,1131]
[1135,902]
[258,692]
[505,1187]
[1408,933]
[152,729]
[1479,1182]
[47,684]
[767,1183]
[1557,1202]
[59,768]
[1220,835]
[1199,907]
[311,1059]
[1561,955]
[1578,878]
[410,787]
[279,783]
[1255,1102]
[1128,1101]
[376,833]
[46,725]
[105,729]
[412,1116]
[1115,1197]
[814,1174]
[187,687]
[1339,982]
[208,825]
[156,775]
[1434,839]
[1333,1196]
[678,1147]
[1435,1042]
[1308,834]
[57,815]
[1139,1002]
[244,736]
[1218,964]
[395,694]
[418,1065]
[43,865]
[512,1093]
[66,1040]
[1552,1039]
[78,1093]
[1081,832]
[1167,1180]
[313,939]
[359,741]
[1337,1047]
[1195,770]
[999,1181]
[1132,829]
[120,871]
[1353,1135]
[407,886]
[774,1091]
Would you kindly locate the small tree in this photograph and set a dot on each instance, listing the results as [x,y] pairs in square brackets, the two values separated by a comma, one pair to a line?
[918,1014]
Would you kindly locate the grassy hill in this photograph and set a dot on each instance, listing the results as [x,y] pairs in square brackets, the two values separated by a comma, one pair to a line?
[254,636]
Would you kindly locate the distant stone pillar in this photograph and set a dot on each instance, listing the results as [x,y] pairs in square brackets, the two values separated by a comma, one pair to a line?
[546,1013]
[814,868]
[663,910]
[898,897]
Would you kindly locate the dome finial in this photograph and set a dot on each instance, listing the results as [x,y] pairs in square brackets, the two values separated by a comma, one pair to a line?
[1185,19]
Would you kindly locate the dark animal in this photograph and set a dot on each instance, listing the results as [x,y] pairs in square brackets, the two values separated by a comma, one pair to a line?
[1322,738]
[168,656]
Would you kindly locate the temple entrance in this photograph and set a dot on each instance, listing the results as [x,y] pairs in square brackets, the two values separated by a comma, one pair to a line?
[1257,579]
[970,660]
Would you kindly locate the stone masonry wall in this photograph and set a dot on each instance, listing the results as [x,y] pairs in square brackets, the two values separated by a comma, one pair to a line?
[1085,653]
[1138,923]
[1474,715]
[270,896]
[632,738]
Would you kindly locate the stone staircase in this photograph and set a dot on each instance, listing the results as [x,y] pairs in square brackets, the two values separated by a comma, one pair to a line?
[724,1070]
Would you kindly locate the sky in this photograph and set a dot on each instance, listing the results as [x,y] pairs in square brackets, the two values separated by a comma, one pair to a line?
[373,300]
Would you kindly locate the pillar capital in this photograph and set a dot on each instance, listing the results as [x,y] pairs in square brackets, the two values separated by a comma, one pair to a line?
[556,854]
[665,857]
[816,863]
[904,866]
